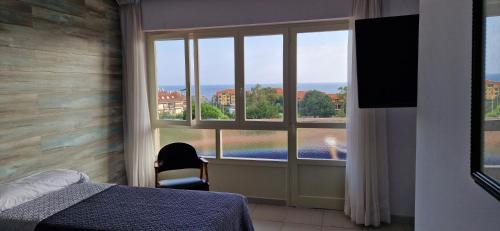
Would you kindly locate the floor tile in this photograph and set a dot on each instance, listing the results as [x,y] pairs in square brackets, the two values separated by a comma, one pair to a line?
[304,216]
[338,219]
[327,228]
[261,225]
[392,227]
[274,218]
[270,213]
[300,227]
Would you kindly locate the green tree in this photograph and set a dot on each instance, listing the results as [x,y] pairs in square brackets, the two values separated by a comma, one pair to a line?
[209,111]
[227,112]
[342,91]
[168,116]
[263,103]
[495,112]
[184,114]
[316,104]
[262,110]
[342,94]
[340,113]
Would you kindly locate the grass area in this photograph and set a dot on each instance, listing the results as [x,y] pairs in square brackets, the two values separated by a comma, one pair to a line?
[492,143]
[259,144]
[251,140]
[203,140]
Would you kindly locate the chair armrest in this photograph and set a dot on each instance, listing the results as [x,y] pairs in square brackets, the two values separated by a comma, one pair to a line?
[205,167]
[156,174]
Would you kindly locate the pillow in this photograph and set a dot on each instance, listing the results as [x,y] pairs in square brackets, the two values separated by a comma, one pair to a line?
[28,188]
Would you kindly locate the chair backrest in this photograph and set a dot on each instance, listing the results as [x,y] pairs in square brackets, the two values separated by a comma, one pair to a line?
[178,156]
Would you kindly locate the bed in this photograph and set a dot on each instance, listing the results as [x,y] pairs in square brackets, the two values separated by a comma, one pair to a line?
[90,206]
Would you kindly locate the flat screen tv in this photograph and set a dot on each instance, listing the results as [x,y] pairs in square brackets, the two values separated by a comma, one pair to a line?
[387,61]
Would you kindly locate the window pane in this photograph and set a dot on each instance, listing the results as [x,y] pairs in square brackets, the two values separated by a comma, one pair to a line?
[322,76]
[216,70]
[249,144]
[264,77]
[491,159]
[491,152]
[321,143]
[171,79]
[203,140]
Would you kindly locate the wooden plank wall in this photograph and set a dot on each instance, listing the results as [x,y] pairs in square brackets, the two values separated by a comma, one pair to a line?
[60,88]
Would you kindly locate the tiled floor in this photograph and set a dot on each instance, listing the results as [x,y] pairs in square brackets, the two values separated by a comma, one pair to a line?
[281,218]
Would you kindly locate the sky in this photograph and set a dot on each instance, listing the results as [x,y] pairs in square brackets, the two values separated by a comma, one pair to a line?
[216,60]
[264,59]
[170,69]
[321,57]
[493,45]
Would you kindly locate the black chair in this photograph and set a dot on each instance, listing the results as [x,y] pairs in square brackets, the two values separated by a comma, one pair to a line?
[181,156]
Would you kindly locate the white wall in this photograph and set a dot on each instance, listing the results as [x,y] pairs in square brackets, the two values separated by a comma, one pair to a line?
[446,196]
[175,14]
[267,181]
[401,135]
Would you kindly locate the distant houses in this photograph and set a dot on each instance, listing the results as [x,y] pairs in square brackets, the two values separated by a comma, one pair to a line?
[174,102]
[171,102]
[337,99]
[225,99]
[492,99]
[492,89]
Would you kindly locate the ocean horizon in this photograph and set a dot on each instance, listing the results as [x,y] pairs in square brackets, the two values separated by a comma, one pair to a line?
[208,91]
[493,77]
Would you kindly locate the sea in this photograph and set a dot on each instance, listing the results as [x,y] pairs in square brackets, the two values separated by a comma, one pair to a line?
[493,77]
[208,91]
[281,154]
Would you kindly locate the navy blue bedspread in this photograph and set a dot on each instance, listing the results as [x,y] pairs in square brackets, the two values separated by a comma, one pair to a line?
[130,208]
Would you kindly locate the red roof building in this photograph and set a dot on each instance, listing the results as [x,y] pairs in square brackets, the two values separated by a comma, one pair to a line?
[171,102]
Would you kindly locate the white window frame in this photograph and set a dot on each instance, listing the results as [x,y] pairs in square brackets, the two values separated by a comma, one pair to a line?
[263,32]
[289,123]
[293,70]
[152,93]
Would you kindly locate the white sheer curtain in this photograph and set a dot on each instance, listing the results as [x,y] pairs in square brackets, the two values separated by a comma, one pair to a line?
[367,180]
[138,135]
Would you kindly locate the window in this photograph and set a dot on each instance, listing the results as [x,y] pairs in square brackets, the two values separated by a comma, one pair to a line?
[491,139]
[485,110]
[264,97]
[170,80]
[322,76]
[321,143]
[254,93]
[217,85]
[491,157]
[252,144]
[203,140]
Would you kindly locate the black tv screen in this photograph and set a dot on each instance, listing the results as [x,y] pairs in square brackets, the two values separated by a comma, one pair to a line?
[387,61]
